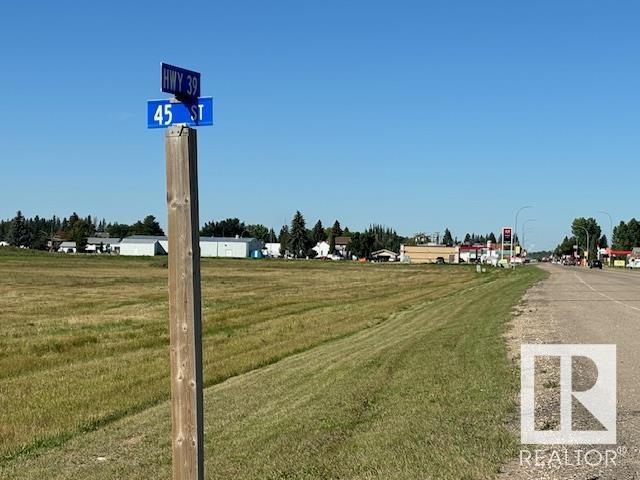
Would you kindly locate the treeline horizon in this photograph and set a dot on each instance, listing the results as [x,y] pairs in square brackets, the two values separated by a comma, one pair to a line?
[36,232]
[626,236]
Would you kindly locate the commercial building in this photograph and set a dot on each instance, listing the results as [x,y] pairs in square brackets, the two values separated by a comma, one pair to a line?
[229,247]
[429,253]
[141,245]
[147,245]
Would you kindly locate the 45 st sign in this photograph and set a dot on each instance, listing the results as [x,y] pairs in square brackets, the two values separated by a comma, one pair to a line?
[164,113]
[187,107]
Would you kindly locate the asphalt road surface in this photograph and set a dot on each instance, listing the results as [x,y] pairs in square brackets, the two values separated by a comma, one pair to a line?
[579,305]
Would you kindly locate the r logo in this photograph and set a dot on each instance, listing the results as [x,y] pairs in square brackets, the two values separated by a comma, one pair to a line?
[600,400]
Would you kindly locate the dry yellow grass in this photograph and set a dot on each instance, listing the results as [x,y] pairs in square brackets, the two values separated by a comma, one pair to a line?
[85,339]
[400,373]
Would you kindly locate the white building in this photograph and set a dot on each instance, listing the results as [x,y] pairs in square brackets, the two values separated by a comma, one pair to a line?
[102,245]
[229,247]
[4,244]
[67,247]
[384,255]
[321,249]
[271,250]
[148,245]
[140,245]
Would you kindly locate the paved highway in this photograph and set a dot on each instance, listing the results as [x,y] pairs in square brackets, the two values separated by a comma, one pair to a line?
[578,305]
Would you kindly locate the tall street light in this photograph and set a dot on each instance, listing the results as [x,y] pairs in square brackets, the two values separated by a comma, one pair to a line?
[610,232]
[515,229]
[587,232]
[524,232]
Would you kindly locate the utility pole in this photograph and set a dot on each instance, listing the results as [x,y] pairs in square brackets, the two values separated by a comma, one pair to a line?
[185,311]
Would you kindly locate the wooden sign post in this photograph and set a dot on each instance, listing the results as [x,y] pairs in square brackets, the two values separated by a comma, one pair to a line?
[184,303]
[185,309]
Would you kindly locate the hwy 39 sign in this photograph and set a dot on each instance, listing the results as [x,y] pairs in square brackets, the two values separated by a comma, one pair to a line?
[187,108]
[180,82]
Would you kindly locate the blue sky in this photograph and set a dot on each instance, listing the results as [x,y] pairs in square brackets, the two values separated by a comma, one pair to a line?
[417,115]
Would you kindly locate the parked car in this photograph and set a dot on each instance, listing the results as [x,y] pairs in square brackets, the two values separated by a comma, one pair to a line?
[634,263]
[595,264]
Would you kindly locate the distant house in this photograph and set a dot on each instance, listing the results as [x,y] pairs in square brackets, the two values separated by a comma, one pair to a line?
[384,255]
[321,249]
[67,247]
[229,247]
[4,244]
[342,246]
[53,245]
[142,245]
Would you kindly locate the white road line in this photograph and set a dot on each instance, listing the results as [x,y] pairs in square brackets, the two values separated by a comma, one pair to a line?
[605,295]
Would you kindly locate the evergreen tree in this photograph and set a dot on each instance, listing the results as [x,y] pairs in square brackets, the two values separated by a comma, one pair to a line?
[447,239]
[492,238]
[208,229]
[603,242]
[356,246]
[318,234]
[626,235]
[18,234]
[565,247]
[336,231]
[80,231]
[367,243]
[298,241]
[148,226]
[283,238]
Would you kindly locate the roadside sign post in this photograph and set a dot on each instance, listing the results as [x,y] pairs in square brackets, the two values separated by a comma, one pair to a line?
[185,307]
[507,238]
[185,304]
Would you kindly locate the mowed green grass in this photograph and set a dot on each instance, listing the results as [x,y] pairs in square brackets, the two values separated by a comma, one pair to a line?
[314,369]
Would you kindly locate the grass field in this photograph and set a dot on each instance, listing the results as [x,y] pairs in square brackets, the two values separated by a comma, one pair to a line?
[314,369]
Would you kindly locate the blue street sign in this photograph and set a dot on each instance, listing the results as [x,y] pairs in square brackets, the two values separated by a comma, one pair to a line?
[180,82]
[163,113]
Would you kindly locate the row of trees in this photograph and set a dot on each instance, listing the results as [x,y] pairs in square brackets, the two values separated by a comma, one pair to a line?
[232,227]
[37,232]
[627,235]
[299,241]
[585,233]
[295,238]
